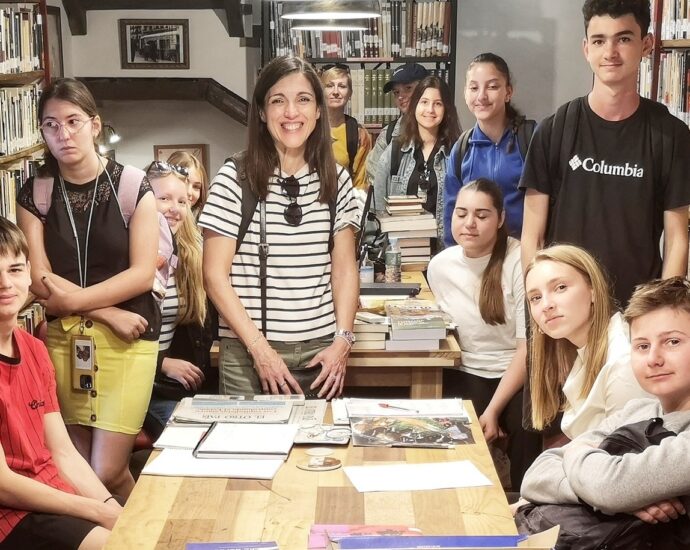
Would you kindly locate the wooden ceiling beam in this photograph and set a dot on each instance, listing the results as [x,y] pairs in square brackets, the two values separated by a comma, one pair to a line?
[180,89]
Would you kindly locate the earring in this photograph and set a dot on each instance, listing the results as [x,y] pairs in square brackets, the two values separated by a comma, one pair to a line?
[539,330]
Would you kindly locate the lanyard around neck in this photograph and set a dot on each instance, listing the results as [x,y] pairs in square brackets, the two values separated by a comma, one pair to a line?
[70,215]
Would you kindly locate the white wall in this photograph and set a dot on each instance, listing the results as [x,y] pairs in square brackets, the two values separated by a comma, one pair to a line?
[539,39]
[213,54]
[143,124]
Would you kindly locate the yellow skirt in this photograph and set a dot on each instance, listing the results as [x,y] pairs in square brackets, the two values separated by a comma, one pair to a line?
[122,382]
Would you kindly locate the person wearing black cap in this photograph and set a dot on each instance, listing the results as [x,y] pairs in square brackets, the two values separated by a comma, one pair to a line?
[402,84]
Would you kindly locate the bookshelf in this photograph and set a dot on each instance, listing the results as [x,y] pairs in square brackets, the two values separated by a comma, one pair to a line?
[408,31]
[665,77]
[23,57]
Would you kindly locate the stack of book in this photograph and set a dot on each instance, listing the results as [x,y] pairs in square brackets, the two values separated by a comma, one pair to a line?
[416,325]
[370,336]
[404,205]
[414,233]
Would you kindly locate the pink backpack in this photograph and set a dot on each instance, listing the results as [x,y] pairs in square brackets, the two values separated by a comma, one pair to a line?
[127,193]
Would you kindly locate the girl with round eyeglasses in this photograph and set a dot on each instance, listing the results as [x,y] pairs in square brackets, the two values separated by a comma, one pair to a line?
[93,264]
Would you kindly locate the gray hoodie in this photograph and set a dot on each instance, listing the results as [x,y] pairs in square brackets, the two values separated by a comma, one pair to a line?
[615,484]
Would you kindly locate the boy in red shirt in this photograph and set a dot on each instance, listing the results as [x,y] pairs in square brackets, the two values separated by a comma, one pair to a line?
[49,495]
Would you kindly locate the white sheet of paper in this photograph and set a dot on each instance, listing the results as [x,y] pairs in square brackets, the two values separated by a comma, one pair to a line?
[404,407]
[180,462]
[180,437]
[416,477]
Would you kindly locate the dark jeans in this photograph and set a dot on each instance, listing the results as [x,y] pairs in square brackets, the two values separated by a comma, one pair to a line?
[523,446]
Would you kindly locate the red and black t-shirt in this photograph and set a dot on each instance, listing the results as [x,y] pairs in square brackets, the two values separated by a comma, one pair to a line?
[27,393]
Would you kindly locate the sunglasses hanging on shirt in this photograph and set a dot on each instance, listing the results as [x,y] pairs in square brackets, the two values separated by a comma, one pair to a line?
[293,211]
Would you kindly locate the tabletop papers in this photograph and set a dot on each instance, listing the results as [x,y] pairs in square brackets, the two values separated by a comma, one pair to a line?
[180,462]
[416,477]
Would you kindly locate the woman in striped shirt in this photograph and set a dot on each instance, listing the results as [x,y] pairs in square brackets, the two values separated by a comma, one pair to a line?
[311,285]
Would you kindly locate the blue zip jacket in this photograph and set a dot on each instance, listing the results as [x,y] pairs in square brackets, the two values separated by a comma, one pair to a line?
[485,159]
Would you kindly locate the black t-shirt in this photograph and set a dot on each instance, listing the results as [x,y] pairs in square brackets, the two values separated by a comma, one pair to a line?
[108,247]
[613,182]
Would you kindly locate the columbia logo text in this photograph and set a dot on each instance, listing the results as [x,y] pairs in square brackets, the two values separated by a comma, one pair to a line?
[575,162]
[602,167]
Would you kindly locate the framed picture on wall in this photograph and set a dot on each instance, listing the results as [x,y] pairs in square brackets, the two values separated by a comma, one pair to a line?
[199,150]
[55,60]
[154,43]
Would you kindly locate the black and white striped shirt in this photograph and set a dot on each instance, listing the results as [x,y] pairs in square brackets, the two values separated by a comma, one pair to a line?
[300,301]
[170,306]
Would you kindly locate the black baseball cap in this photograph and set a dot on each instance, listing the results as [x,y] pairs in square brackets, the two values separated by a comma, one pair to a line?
[409,72]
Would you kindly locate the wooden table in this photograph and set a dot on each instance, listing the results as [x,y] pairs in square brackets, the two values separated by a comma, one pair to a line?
[167,512]
[422,372]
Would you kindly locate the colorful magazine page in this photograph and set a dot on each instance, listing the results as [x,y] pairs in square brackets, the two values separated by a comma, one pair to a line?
[410,431]
[322,535]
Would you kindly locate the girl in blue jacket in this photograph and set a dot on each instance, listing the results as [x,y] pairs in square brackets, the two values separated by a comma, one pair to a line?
[490,149]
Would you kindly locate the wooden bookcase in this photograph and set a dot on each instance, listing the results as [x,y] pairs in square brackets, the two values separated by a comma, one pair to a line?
[20,83]
[375,62]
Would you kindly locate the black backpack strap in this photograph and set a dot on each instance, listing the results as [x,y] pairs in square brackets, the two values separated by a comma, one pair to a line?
[396,155]
[249,199]
[463,144]
[389,131]
[525,131]
[263,261]
[352,139]
[562,126]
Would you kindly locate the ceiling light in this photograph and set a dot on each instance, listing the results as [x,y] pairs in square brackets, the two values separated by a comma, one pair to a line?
[332,9]
[110,135]
[329,24]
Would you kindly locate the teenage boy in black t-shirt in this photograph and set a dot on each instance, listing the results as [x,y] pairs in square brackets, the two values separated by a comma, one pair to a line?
[612,173]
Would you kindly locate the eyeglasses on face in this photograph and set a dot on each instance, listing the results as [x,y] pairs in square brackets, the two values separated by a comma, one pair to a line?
[293,211]
[160,168]
[52,127]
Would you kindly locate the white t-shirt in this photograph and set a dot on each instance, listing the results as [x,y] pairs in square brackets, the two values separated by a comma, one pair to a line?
[456,280]
[300,301]
[613,388]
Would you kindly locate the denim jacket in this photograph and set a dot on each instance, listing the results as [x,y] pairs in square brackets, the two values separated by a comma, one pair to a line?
[385,185]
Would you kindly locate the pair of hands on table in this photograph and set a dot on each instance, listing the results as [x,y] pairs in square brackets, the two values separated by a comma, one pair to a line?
[276,379]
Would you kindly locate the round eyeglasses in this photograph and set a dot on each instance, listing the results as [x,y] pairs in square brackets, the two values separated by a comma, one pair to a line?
[73,125]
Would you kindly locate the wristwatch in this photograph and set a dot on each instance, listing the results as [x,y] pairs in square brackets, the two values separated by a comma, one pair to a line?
[347,335]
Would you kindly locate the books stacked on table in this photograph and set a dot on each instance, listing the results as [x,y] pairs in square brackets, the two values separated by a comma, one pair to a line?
[416,325]
[414,227]
[370,331]
[404,205]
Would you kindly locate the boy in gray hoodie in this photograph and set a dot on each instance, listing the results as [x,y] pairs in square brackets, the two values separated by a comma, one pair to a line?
[651,485]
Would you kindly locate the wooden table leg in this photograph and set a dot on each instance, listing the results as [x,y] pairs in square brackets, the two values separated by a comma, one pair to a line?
[427,383]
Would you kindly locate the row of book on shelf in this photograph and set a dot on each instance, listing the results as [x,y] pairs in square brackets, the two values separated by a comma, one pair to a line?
[674,83]
[11,179]
[369,104]
[21,38]
[406,28]
[30,317]
[18,119]
[675,19]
